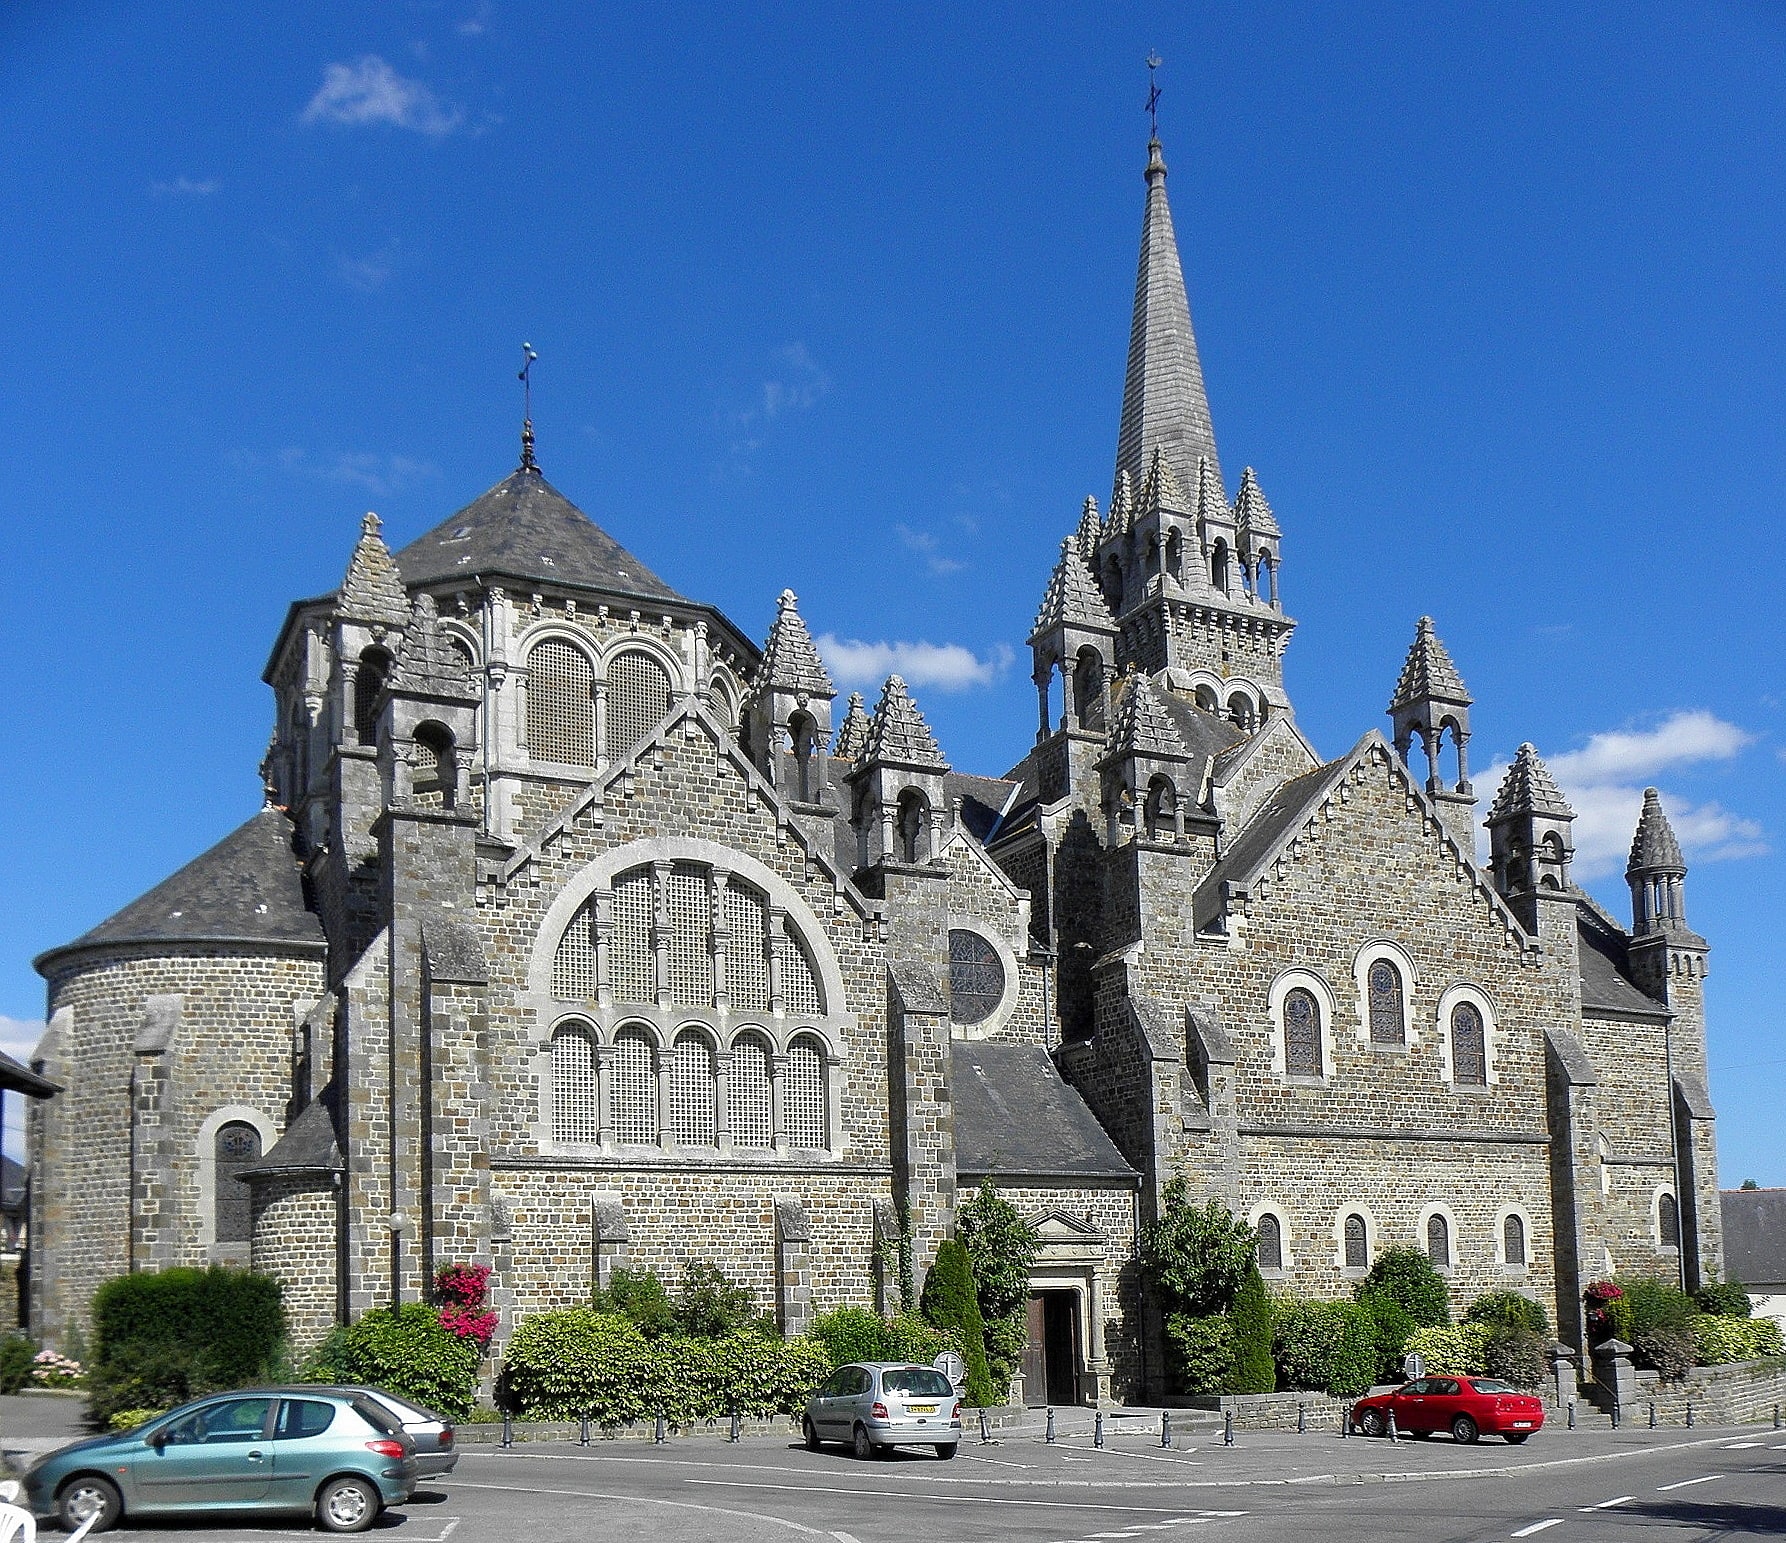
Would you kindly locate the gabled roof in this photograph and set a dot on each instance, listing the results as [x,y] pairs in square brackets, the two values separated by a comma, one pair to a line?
[524,528]
[898,735]
[1755,1236]
[1203,732]
[1250,508]
[1162,489]
[1654,848]
[247,889]
[1529,787]
[1072,598]
[1143,727]
[1015,1115]
[1606,988]
[1428,675]
[790,658]
[373,589]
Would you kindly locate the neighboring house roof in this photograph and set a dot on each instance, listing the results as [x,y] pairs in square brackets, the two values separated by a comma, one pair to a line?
[1015,1115]
[16,1077]
[246,889]
[1754,1236]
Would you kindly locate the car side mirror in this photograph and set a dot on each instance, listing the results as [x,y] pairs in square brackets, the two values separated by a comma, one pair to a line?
[158,1439]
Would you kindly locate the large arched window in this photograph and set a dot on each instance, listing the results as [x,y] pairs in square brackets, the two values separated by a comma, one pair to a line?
[692,1090]
[638,697]
[368,681]
[1438,1239]
[749,1095]
[1469,1047]
[633,1088]
[1271,1242]
[805,1094]
[1668,1220]
[1162,810]
[634,964]
[1357,1243]
[1302,1033]
[560,704]
[1386,1007]
[574,1107]
[690,908]
[1513,1240]
[237,1147]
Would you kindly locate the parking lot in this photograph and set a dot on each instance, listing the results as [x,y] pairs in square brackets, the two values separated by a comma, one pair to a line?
[1589,1485]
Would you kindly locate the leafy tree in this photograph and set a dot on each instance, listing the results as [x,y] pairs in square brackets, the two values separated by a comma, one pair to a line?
[1391,1327]
[639,1297]
[1196,1257]
[1407,1277]
[1002,1247]
[1250,1317]
[711,1305]
[1750,1184]
[1515,1355]
[949,1302]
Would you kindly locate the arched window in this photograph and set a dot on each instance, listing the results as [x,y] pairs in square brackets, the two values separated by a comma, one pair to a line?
[1218,566]
[807,751]
[913,827]
[1513,1240]
[1271,1242]
[1209,701]
[1438,1239]
[692,1090]
[1162,810]
[1088,689]
[976,977]
[748,1095]
[1266,587]
[1357,1243]
[632,1086]
[691,937]
[1385,992]
[799,986]
[1241,712]
[1113,583]
[1469,1047]
[436,775]
[1302,1033]
[1175,556]
[237,1147]
[574,1105]
[368,681]
[747,970]
[804,1099]
[573,967]
[560,704]
[1668,1220]
[633,966]
[463,649]
[638,697]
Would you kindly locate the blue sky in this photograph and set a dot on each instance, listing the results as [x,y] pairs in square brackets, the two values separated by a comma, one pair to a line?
[837,298]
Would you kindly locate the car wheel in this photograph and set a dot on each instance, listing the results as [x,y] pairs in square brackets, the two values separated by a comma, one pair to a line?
[89,1497]
[1463,1429]
[811,1433]
[863,1446]
[947,1449]
[346,1504]
[1372,1423]
[1514,1437]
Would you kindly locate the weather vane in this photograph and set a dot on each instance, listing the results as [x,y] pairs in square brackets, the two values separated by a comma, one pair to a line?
[1153,94]
[526,378]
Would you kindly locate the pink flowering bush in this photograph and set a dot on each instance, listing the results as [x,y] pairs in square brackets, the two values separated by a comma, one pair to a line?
[1598,1297]
[462,1289]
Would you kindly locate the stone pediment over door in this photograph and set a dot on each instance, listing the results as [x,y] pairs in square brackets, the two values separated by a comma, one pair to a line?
[1062,1237]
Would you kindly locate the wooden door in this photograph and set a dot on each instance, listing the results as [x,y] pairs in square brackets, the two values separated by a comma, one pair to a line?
[1034,1365]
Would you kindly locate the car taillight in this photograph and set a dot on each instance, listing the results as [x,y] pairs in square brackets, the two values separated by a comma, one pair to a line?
[878,1410]
[385,1448]
[446,1436]
[955,1413]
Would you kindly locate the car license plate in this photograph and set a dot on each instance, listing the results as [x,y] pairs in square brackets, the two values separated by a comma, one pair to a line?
[921,1408]
[1522,1424]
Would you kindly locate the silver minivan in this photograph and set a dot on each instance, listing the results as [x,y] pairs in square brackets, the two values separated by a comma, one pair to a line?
[876,1406]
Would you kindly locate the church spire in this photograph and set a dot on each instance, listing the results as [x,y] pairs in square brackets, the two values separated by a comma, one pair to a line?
[1163,403]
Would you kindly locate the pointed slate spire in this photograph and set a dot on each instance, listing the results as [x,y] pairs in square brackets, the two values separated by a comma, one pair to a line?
[373,589]
[1654,849]
[1090,528]
[1072,598]
[1212,499]
[852,736]
[1143,727]
[427,663]
[1529,788]
[1163,401]
[898,734]
[1122,506]
[791,660]
[1161,490]
[1428,675]
[1250,508]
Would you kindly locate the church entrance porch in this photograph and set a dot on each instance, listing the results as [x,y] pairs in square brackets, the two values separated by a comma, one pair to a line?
[1052,1358]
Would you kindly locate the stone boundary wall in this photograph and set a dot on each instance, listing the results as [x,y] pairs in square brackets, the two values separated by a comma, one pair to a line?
[1737,1394]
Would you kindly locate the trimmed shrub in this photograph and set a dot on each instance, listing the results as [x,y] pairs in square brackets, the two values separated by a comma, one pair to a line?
[639,1297]
[1516,1356]
[1392,1327]
[711,1305]
[1002,1247]
[16,1354]
[1719,1340]
[1668,1351]
[1407,1277]
[852,1334]
[910,1338]
[1451,1351]
[1250,1317]
[1196,1257]
[1203,1352]
[408,1352]
[1724,1299]
[1649,1304]
[129,1419]
[1509,1310]
[756,1374]
[949,1302]
[1326,1347]
[162,1337]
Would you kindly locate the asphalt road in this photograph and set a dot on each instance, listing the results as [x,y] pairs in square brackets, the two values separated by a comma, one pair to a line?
[1562,1487]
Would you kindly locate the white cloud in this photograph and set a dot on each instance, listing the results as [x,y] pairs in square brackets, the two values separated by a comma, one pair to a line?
[930,549]
[185,187]
[370,91]
[1604,782]
[797,384]
[370,272]
[380,474]
[946,666]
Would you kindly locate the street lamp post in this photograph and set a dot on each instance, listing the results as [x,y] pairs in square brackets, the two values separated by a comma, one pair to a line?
[398,1224]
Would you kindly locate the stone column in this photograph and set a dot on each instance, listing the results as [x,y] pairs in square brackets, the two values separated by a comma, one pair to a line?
[152,1221]
[609,1238]
[1563,1373]
[1614,1372]
[793,1280]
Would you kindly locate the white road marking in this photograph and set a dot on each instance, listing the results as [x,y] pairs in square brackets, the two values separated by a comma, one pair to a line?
[1737,1446]
[997,1462]
[1526,1532]
[906,1494]
[680,1505]
[845,1537]
[1607,1504]
[1685,1482]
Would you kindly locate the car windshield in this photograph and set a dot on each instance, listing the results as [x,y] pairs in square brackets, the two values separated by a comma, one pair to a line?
[1491,1385]
[919,1380]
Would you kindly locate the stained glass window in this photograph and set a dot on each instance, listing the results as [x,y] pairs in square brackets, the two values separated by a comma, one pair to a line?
[1271,1243]
[1469,1049]
[1438,1240]
[976,977]
[1385,982]
[1302,1034]
[1669,1215]
[1357,1243]
[1513,1239]
[237,1147]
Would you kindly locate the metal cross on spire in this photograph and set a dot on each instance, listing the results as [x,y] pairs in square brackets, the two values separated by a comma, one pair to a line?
[1153,95]
[526,378]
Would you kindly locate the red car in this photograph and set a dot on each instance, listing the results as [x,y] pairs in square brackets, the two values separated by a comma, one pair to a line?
[1468,1407]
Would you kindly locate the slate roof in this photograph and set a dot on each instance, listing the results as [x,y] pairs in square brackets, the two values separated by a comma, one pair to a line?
[524,528]
[984,801]
[1016,1115]
[1202,731]
[373,589]
[1755,1236]
[246,889]
[1287,808]
[1604,985]
[1428,675]
[791,659]
[899,736]
[1143,726]
[427,664]
[16,1077]
[1529,785]
[1654,846]
[1250,508]
[1072,597]
[310,1144]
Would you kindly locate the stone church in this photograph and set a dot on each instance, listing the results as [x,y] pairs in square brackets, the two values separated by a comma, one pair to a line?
[580,930]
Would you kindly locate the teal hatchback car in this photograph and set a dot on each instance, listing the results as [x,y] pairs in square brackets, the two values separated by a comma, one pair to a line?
[333,1453]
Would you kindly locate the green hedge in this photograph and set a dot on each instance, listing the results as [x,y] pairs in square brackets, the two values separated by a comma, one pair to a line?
[16,1356]
[582,1364]
[1407,1277]
[1254,1370]
[1452,1351]
[1719,1340]
[1328,1347]
[407,1352]
[162,1337]
[1202,1352]
[1509,1310]
[859,1334]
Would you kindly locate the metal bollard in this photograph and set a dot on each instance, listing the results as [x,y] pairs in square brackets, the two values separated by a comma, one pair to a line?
[1166,1425]
[1301,1419]
[583,1431]
[1345,1421]
[662,1433]
[1049,1434]
[985,1430]
[1227,1427]
[1617,1414]
[508,1431]
[737,1427]
[1652,1414]
[1689,1414]
[1394,1439]
[1571,1414]
[1776,1416]
[1097,1438]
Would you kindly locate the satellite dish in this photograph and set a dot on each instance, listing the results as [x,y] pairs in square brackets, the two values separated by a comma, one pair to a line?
[952,1367]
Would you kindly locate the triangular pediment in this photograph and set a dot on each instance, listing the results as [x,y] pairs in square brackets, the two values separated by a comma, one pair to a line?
[1059,1227]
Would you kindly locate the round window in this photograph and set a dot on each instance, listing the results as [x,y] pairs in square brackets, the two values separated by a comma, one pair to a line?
[976,977]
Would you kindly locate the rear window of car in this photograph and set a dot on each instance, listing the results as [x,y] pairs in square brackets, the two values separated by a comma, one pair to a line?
[377,1416]
[407,1412]
[1491,1385]
[920,1380]
[301,1417]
